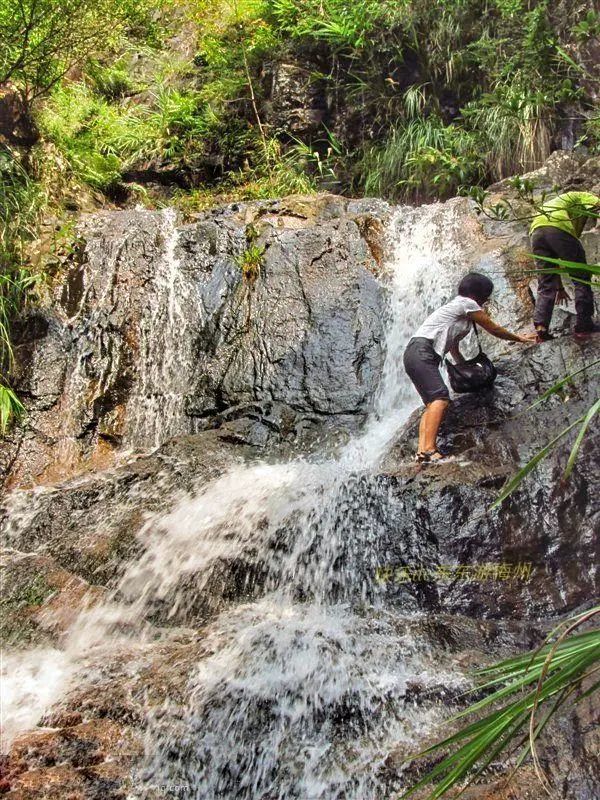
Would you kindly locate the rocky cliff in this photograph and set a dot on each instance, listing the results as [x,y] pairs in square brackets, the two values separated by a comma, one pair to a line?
[202,474]
[157,330]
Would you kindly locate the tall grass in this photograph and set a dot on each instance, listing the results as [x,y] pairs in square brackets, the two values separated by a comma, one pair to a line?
[14,286]
[516,125]
[343,25]
[423,159]
[101,139]
[21,201]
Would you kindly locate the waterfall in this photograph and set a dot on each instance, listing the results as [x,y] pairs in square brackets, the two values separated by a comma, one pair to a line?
[156,410]
[302,693]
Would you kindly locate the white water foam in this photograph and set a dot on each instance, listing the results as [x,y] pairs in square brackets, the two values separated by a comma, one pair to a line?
[156,410]
[305,693]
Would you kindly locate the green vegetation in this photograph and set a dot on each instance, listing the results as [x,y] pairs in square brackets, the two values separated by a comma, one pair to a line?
[167,101]
[250,262]
[20,201]
[42,40]
[418,99]
[525,693]
[424,159]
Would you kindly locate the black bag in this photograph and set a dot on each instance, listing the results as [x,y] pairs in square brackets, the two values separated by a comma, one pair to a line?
[474,374]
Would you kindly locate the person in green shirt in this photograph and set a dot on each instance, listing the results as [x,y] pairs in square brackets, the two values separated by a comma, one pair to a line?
[555,233]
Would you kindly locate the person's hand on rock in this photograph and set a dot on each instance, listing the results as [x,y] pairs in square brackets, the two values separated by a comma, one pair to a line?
[562,297]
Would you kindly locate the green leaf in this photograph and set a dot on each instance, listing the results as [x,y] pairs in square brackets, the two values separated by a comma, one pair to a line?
[11,408]
[514,482]
[584,426]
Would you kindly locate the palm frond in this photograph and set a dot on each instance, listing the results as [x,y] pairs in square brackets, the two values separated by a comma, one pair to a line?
[564,266]
[522,685]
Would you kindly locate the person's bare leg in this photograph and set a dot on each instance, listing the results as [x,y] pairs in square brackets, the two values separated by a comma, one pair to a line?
[430,424]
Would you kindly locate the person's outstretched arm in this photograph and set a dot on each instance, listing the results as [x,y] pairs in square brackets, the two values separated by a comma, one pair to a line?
[488,324]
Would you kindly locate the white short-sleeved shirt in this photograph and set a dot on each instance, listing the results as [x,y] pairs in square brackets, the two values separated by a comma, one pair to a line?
[449,324]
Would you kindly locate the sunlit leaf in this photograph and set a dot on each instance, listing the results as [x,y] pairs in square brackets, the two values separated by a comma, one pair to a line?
[582,431]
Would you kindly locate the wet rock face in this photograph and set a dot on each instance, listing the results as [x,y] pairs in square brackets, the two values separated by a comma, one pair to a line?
[40,599]
[307,331]
[269,315]
[85,760]
[270,311]
[87,527]
[160,336]
[533,556]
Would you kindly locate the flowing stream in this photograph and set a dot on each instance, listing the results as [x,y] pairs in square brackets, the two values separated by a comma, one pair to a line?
[303,692]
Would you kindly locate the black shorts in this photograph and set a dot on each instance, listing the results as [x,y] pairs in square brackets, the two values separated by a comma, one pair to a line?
[422,365]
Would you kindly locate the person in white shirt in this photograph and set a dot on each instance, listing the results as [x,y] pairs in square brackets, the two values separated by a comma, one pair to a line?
[438,335]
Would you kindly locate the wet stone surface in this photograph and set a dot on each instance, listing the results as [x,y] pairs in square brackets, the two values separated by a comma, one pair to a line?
[159,371]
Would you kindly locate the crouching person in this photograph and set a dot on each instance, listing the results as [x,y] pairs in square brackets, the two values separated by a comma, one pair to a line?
[555,233]
[440,334]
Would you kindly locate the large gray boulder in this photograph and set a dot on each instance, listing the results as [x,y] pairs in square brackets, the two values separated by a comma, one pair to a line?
[159,330]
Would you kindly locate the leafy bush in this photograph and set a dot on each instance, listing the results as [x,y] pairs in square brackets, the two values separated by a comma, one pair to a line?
[112,81]
[422,91]
[423,98]
[589,26]
[101,139]
[343,25]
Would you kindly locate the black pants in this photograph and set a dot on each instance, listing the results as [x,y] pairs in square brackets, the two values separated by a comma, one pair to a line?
[554,243]
[422,365]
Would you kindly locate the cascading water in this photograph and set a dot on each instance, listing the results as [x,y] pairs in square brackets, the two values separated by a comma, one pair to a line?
[302,693]
[156,410]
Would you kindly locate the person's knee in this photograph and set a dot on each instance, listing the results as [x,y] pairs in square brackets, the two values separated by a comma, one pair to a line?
[439,403]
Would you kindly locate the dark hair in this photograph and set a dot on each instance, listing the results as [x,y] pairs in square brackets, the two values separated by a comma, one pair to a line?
[476,286]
